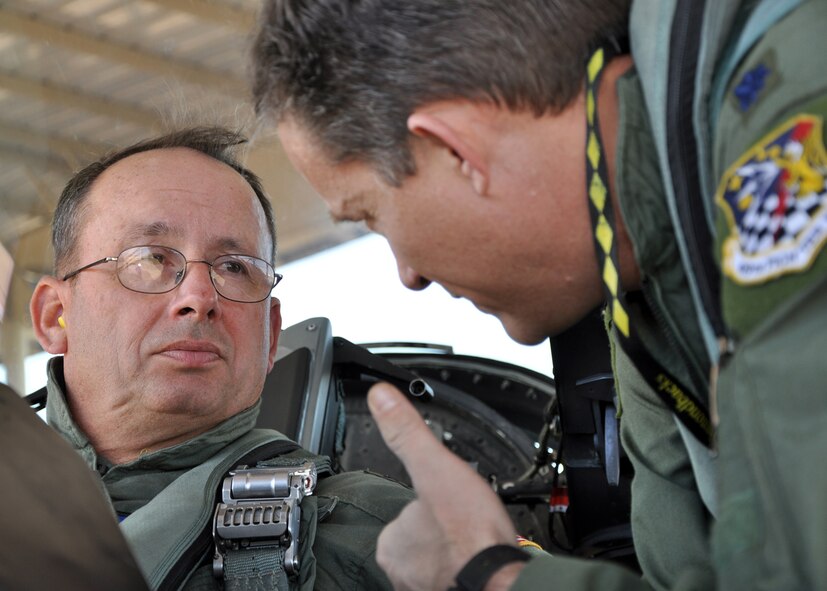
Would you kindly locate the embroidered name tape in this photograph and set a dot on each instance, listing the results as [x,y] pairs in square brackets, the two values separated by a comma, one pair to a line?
[775,201]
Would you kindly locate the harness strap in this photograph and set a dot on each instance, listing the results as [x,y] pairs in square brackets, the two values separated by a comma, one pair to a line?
[686,406]
[257,568]
[170,533]
[267,560]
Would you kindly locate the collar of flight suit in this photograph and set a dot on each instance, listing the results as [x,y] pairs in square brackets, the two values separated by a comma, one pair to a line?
[132,485]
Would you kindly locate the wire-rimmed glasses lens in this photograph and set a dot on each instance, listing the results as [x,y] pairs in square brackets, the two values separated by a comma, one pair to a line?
[159,269]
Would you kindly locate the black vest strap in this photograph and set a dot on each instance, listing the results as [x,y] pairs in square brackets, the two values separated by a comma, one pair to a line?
[597,517]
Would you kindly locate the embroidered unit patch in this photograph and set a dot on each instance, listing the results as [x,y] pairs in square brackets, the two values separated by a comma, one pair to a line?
[775,201]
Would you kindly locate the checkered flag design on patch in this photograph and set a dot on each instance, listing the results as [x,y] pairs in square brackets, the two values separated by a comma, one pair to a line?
[775,193]
[777,219]
[775,200]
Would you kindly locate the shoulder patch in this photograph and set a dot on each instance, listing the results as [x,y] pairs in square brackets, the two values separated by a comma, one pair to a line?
[775,201]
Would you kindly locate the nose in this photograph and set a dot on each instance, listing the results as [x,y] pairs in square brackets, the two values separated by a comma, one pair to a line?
[196,295]
[410,278]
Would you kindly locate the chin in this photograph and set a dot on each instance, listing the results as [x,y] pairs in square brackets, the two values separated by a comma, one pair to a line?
[196,397]
[186,404]
[522,331]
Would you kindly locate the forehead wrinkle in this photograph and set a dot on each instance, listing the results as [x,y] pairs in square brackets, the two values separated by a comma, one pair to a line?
[151,230]
[222,244]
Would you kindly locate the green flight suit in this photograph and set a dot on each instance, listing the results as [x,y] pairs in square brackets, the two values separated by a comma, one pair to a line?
[353,507]
[772,527]
[765,488]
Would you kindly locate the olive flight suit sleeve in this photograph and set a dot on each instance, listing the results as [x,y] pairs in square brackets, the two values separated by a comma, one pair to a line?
[771,233]
[670,523]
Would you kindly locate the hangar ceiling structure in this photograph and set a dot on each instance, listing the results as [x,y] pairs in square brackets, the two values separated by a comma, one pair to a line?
[81,77]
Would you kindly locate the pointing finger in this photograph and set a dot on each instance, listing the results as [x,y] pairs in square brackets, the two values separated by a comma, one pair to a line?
[402,427]
[466,522]
[429,464]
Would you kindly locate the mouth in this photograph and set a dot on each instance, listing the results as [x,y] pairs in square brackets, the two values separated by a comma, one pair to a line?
[191,353]
[482,308]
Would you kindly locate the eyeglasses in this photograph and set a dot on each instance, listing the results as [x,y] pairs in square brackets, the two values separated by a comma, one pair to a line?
[158,269]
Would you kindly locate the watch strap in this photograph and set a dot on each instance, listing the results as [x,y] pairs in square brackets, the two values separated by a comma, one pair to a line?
[479,570]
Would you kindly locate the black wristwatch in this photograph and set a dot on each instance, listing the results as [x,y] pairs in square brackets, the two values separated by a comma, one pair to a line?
[476,574]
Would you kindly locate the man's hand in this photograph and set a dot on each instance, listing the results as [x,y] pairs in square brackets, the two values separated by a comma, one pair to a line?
[456,513]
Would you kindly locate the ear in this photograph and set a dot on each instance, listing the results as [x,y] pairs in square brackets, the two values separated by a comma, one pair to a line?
[455,126]
[47,307]
[275,331]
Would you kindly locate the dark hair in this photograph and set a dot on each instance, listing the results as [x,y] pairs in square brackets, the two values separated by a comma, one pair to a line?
[352,71]
[216,142]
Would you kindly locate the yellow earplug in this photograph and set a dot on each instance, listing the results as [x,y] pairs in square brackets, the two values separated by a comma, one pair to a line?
[61,322]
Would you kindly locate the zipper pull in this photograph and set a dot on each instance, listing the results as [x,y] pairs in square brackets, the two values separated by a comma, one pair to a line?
[726,347]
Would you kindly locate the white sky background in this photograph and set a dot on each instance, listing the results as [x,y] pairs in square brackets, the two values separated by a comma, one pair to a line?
[356,286]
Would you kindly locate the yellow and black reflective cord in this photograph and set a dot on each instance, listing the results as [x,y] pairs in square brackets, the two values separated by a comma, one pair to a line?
[686,406]
[598,189]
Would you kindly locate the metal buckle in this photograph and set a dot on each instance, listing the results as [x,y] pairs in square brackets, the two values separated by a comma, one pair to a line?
[261,506]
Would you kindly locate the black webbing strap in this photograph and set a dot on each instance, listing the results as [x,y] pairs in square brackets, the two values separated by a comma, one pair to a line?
[599,499]
[686,406]
[37,399]
[475,575]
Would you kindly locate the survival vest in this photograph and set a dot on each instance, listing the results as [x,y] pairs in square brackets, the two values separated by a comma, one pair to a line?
[172,535]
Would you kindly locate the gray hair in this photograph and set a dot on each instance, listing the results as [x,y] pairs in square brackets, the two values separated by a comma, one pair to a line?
[216,142]
[352,71]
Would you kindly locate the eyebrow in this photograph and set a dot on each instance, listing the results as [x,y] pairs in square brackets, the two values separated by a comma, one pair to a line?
[348,210]
[151,230]
[230,245]
[340,218]
[225,244]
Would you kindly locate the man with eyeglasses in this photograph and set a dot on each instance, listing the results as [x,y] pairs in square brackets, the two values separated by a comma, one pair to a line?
[161,314]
